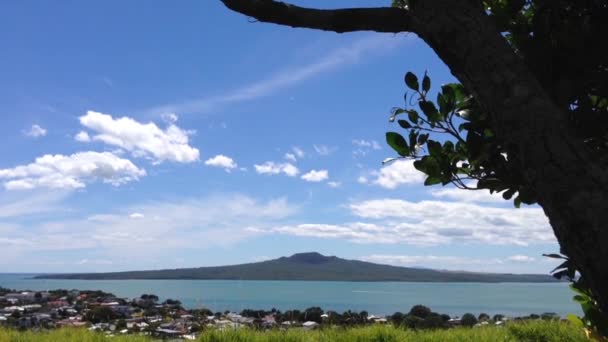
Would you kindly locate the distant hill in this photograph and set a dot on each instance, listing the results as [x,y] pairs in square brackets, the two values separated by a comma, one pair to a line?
[311,266]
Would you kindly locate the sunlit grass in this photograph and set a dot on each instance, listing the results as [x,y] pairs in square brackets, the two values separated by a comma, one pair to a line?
[543,331]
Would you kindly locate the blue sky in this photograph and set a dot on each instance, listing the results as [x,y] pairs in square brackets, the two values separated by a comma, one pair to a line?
[179,135]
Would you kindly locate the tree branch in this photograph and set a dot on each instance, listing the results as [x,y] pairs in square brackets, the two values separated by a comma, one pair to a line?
[379,19]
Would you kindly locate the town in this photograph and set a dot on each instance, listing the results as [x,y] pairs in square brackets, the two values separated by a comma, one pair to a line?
[146,315]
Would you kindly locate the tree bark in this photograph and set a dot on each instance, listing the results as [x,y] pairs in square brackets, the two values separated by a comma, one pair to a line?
[571,186]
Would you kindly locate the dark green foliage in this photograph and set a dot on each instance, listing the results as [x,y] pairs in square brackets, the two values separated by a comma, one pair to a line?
[420,317]
[468,320]
[420,311]
[483,317]
[593,317]
[311,266]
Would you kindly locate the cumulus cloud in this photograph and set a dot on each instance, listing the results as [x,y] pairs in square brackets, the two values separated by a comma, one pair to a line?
[334,184]
[71,172]
[136,215]
[82,136]
[521,258]
[298,152]
[462,263]
[222,161]
[429,223]
[170,118]
[324,150]
[272,168]
[398,173]
[362,180]
[142,140]
[466,222]
[35,131]
[363,147]
[373,144]
[468,195]
[427,260]
[290,156]
[315,175]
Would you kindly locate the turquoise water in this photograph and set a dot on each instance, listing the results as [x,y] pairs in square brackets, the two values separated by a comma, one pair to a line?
[375,297]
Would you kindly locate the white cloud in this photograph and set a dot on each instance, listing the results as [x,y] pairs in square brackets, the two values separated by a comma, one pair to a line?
[298,151]
[362,180]
[373,144]
[290,156]
[464,222]
[397,173]
[461,263]
[35,131]
[272,168]
[156,228]
[334,59]
[521,258]
[26,204]
[142,140]
[71,172]
[334,184]
[428,260]
[324,150]
[316,176]
[468,195]
[170,118]
[222,161]
[82,136]
[430,223]
[363,147]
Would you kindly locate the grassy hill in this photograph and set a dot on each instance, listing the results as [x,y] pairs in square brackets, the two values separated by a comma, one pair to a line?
[548,331]
[311,266]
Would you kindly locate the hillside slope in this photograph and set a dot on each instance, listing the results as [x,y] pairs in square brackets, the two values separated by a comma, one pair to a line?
[311,266]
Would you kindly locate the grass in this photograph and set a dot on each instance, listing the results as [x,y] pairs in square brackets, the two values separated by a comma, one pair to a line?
[542,331]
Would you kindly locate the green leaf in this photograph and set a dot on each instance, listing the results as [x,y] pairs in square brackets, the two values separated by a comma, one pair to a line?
[394,112]
[411,81]
[434,148]
[388,160]
[430,180]
[576,321]
[413,116]
[404,124]
[398,143]
[517,202]
[509,193]
[422,138]
[554,256]
[426,83]
[429,110]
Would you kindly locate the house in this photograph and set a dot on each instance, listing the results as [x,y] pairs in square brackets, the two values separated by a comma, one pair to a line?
[309,325]
[167,333]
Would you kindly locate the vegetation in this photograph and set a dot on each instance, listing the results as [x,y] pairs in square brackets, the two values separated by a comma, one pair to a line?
[312,266]
[524,331]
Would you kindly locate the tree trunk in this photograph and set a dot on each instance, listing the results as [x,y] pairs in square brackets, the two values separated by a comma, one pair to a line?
[572,187]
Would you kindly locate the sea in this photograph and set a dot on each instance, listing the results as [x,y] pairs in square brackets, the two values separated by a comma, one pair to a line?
[378,298]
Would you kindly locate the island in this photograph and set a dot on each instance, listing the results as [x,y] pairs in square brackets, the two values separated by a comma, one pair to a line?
[311,266]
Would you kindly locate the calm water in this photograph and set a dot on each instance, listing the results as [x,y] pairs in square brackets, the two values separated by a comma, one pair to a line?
[374,297]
